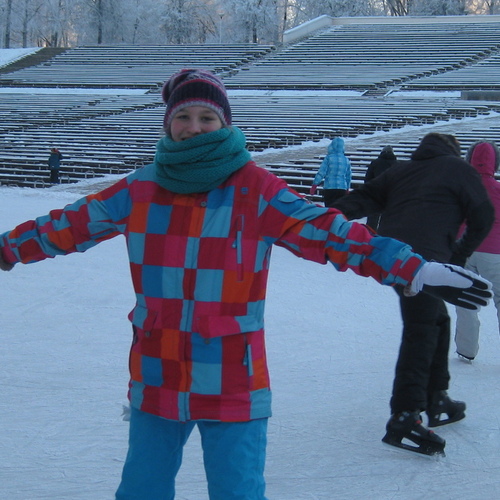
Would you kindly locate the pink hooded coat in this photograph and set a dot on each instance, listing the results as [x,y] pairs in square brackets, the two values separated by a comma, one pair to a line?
[484,157]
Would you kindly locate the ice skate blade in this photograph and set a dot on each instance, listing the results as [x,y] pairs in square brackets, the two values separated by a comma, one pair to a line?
[436,422]
[423,447]
[410,450]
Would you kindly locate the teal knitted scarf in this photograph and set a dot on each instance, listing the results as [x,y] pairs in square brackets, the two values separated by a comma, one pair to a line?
[201,163]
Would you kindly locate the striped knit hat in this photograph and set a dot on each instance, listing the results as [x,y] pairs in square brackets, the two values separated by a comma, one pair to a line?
[195,87]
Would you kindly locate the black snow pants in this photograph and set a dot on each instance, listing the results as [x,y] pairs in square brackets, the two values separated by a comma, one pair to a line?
[422,365]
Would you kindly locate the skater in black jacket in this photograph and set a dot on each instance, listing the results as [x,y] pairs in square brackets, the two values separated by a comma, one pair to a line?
[423,203]
[386,159]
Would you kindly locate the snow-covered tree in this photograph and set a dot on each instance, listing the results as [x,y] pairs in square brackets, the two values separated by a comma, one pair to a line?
[77,22]
[254,21]
[399,7]
[490,7]
[7,25]
[438,7]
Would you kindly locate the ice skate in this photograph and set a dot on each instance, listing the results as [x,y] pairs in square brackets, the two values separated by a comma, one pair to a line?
[405,430]
[442,405]
[465,359]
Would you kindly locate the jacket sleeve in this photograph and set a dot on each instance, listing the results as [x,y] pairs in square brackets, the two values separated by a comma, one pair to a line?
[321,173]
[324,235]
[367,199]
[369,174]
[479,213]
[478,225]
[348,173]
[74,228]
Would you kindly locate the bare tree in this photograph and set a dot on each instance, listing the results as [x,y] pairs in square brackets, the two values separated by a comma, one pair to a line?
[254,21]
[98,12]
[490,7]
[29,12]
[188,21]
[48,32]
[339,8]
[399,7]
[75,22]
[438,7]
[8,21]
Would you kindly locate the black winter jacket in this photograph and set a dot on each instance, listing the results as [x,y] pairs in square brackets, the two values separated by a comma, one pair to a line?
[385,160]
[424,201]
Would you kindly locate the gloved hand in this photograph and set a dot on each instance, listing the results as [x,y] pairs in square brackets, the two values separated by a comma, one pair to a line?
[453,284]
[5,266]
[313,189]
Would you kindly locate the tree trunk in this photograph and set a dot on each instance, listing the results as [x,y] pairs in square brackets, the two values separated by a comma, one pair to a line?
[99,21]
[8,14]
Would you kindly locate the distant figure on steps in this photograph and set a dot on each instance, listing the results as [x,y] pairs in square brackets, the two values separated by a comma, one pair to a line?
[54,163]
[335,171]
[385,160]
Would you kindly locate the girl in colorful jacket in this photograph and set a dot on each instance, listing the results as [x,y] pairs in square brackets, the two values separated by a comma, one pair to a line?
[199,225]
[485,260]
[335,172]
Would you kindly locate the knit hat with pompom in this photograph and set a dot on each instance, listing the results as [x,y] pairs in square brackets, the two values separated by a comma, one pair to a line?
[195,87]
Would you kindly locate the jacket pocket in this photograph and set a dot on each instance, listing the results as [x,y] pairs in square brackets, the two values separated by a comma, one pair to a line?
[143,318]
[220,326]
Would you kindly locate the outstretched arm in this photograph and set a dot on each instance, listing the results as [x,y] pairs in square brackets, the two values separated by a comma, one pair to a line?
[74,228]
[324,235]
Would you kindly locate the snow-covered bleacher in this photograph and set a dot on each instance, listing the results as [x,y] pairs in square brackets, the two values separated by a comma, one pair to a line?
[118,133]
[483,75]
[299,172]
[335,82]
[132,66]
[27,111]
[367,56]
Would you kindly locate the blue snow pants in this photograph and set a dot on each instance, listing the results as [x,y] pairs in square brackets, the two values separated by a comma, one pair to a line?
[233,455]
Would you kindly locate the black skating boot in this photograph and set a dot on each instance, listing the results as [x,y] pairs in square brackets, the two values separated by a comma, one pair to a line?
[405,430]
[440,403]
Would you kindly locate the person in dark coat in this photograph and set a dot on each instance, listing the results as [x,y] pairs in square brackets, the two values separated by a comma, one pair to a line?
[385,160]
[54,163]
[423,202]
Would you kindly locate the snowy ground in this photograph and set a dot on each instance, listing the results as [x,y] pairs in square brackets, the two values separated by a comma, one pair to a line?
[332,340]
[332,344]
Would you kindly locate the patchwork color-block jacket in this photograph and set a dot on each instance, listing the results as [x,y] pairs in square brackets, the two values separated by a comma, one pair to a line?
[199,265]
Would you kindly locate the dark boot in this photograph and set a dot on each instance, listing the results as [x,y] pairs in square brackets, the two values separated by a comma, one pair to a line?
[405,430]
[440,403]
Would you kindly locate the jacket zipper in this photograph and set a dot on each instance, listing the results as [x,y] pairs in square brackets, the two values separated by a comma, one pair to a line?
[238,245]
